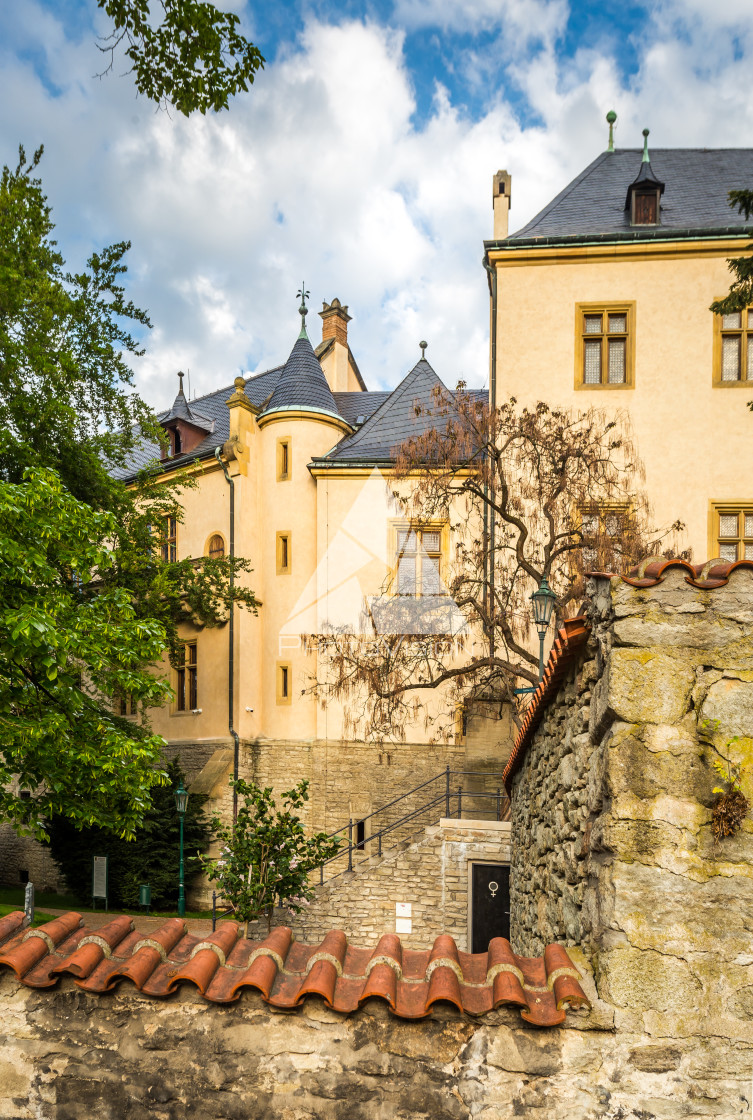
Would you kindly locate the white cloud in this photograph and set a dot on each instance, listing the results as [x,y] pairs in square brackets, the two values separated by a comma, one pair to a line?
[323,174]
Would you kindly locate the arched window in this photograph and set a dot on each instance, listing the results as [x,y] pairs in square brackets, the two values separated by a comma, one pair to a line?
[216,547]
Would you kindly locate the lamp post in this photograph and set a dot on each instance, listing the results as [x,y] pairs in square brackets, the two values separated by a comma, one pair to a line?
[543,604]
[181,802]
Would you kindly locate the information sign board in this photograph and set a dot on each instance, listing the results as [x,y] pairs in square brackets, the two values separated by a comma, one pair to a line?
[99,878]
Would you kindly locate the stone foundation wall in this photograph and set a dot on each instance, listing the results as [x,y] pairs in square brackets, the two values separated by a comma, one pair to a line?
[431,874]
[550,816]
[665,912]
[65,1054]
[24,860]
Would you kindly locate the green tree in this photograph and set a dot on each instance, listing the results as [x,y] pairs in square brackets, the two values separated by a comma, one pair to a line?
[68,649]
[150,857]
[192,59]
[740,295]
[266,857]
[67,402]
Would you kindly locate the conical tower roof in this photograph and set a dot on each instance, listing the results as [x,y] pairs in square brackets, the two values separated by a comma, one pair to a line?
[181,410]
[302,385]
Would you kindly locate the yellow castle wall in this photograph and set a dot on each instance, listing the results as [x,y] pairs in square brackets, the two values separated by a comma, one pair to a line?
[694,437]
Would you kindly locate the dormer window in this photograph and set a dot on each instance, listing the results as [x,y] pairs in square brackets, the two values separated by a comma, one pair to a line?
[643,200]
[645,208]
[186,427]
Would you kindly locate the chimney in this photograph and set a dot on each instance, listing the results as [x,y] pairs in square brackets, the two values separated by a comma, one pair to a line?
[501,204]
[335,319]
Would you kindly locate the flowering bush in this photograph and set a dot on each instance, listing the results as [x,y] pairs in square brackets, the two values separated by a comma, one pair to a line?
[266,857]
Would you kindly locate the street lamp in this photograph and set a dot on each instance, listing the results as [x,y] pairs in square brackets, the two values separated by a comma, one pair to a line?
[181,802]
[543,604]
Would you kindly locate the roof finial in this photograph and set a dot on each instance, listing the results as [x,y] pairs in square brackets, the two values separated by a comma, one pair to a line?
[645,147]
[303,310]
[423,346]
[611,118]
[181,375]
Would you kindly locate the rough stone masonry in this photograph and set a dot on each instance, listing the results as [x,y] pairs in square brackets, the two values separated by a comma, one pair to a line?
[611,849]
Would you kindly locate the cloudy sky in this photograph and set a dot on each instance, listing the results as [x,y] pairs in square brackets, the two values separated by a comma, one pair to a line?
[361,161]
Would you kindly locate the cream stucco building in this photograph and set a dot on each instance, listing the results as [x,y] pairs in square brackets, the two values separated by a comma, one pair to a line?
[603,299]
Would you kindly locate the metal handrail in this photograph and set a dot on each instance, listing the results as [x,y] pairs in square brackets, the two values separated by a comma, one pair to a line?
[447,796]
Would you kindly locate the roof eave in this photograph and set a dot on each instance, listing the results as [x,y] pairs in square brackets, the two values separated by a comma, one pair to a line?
[618,237]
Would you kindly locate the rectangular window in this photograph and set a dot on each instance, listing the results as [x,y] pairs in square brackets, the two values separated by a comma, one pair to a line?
[169,539]
[733,532]
[418,561]
[733,348]
[604,344]
[284,686]
[187,684]
[283,553]
[604,530]
[283,460]
[126,705]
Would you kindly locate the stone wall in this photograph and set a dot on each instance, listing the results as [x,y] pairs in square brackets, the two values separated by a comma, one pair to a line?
[67,1054]
[431,873]
[550,815]
[664,912]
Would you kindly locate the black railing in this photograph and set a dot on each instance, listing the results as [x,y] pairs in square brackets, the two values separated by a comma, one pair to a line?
[445,799]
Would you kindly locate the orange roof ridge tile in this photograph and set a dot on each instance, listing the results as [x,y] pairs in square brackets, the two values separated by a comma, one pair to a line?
[706,576]
[286,973]
[571,637]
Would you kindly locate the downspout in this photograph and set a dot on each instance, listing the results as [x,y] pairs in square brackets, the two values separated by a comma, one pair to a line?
[489,522]
[231,637]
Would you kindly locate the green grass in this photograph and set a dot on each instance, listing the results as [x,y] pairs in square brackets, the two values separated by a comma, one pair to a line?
[12,898]
[39,916]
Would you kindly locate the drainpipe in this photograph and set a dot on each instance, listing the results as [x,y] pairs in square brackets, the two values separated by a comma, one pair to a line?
[492,277]
[231,636]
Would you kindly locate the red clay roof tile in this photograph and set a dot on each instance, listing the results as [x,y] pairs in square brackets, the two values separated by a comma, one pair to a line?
[571,637]
[286,972]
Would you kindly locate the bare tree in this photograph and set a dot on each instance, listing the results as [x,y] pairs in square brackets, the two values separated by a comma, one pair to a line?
[527,495]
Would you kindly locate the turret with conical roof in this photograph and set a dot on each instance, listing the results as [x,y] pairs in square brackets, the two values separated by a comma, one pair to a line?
[185,425]
[302,387]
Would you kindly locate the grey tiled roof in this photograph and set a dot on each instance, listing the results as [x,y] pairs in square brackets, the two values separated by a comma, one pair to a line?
[697,181]
[213,406]
[352,405]
[182,410]
[302,384]
[393,421]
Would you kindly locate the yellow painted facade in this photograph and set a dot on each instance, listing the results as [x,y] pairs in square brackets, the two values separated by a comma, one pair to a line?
[339,546]
[694,433]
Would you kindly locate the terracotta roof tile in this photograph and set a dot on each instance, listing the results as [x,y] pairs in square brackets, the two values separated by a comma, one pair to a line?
[707,576]
[285,972]
[570,638]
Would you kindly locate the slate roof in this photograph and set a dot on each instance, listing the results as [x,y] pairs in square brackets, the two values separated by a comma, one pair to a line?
[302,384]
[697,181]
[389,416]
[221,965]
[181,410]
[394,421]
[258,388]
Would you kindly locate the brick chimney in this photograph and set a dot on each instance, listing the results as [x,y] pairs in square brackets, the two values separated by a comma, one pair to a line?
[501,203]
[335,319]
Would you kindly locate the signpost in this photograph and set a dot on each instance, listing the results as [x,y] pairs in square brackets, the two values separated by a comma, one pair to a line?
[100,880]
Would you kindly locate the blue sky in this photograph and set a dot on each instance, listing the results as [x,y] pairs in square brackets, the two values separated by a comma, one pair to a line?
[361,160]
